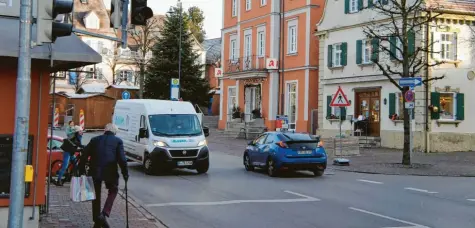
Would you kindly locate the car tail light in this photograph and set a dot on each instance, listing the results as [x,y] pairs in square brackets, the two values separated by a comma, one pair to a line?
[320,144]
[281,144]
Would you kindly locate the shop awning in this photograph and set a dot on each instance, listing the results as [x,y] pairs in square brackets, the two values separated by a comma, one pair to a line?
[68,52]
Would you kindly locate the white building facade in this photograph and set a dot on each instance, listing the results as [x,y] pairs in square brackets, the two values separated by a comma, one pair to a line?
[345,60]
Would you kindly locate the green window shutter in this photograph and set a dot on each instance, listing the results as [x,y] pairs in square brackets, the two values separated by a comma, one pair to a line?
[344,51]
[411,39]
[460,114]
[330,56]
[347,6]
[329,108]
[392,104]
[360,5]
[343,113]
[359,51]
[375,50]
[392,47]
[370,3]
[435,101]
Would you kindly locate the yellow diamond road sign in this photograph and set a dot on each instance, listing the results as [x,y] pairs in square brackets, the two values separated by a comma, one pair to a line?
[175,81]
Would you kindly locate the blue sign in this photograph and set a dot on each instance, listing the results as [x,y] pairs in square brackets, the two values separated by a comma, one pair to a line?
[174,89]
[411,82]
[126,95]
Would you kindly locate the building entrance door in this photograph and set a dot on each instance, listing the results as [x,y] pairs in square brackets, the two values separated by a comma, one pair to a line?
[368,106]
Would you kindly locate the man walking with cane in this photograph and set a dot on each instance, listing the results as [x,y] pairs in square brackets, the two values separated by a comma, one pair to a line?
[105,152]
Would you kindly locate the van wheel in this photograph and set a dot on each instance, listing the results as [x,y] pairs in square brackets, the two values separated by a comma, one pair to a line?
[203,168]
[148,165]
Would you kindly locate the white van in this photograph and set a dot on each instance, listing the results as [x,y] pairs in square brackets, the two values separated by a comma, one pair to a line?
[161,134]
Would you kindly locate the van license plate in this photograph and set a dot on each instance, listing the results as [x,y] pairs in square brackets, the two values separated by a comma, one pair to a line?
[305,152]
[185,163]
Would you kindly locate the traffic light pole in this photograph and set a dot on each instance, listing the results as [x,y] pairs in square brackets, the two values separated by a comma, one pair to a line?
[22,116]
[125,21]
[179,49]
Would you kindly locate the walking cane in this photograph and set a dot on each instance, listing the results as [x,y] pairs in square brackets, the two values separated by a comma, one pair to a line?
[126,205]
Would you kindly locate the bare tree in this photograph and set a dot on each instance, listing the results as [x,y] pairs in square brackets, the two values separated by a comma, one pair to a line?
[144,38]
[394,32]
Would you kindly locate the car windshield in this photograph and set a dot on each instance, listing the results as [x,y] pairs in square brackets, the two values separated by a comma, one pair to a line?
[175,125]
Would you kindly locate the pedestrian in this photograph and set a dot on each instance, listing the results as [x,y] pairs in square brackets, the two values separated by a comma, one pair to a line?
[104,153]
[68,156]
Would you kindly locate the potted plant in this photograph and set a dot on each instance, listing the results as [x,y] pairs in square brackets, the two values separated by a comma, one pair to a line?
[236,112]
[256,113]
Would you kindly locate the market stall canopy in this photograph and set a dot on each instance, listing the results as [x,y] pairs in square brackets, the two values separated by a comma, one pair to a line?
[68,52]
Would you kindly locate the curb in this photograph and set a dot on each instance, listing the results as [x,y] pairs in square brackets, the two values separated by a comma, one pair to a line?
[138,205]
[400,174]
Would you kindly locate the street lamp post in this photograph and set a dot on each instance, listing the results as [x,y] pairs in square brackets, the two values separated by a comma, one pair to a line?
[179,47]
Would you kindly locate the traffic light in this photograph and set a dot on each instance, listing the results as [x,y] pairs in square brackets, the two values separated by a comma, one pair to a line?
[47,30]
[116,14]
[140,12]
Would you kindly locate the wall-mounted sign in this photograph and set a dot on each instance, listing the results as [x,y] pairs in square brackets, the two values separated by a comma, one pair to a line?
[272,64]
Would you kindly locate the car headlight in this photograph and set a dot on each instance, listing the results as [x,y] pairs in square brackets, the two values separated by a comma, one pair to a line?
[160,144]
[202,143]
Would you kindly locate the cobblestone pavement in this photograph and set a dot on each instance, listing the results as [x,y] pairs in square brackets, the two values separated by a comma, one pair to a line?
[376,160]
[67,214]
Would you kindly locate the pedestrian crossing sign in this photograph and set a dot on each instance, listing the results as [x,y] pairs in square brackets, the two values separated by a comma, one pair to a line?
[339,100]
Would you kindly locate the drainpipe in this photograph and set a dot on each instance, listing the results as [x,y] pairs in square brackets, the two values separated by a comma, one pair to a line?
[33,213]
[53,105]
[427,33]
[282,53]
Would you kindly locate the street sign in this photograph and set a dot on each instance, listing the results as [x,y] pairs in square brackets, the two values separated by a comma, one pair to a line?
[411,82]
[126,95]
[340,100]
[409,96]
[174,89]
[409,105]
[282,122]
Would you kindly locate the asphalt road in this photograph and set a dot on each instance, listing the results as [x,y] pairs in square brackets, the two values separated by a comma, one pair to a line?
[228,196]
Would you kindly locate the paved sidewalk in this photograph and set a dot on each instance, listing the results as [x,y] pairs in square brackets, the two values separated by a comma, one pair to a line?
[67,214]
[376,160]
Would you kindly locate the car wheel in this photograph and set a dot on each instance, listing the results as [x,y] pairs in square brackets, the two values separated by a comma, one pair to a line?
[247,163]
[203,168]
[271,171]
[318,172]
[148,165]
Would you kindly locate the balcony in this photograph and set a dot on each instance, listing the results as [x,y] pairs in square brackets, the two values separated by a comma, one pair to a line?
[245,64]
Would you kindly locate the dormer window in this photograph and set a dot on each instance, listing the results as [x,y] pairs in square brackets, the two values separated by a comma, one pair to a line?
[91,21]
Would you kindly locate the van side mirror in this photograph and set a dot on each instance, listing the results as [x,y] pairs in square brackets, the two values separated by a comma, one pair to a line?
[206,131]
[143,133]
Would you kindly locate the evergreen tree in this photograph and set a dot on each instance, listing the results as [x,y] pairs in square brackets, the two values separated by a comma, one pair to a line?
[164,64]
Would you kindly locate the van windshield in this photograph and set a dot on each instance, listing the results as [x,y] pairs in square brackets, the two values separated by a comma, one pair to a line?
[175,125]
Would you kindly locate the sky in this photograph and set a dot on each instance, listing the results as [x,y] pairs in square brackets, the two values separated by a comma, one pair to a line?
[212,10]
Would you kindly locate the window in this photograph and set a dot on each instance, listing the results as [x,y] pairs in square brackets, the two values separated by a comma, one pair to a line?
[450,105]
[248,5]
[366,51]
[261,43]
[271,138]
[336,55]
[263,2]
[95,74]
[126,75]
[232,99]
[233,47]
[353,6]
[447,106]
[400,47]
[56,144]
[335,112]
[247,45]
[291,107]
[260,140]
[234,8]
[400,105]
[292,37]
[446,46]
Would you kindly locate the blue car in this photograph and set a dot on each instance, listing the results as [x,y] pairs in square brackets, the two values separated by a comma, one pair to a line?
[284,151]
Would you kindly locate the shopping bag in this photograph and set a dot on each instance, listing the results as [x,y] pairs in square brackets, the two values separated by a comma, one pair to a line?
[82,189]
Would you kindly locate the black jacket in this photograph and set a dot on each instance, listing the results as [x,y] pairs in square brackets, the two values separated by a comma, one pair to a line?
[106,152]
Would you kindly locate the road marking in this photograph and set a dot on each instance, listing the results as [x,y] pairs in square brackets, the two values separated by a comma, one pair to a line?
[369,181]
[420,190]
[473,200]
[413,225]
[228,202]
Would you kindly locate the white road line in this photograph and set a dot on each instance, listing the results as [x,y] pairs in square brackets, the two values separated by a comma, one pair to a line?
[369,181]
[420,190]
[414,225]
[473,200]
[228,202]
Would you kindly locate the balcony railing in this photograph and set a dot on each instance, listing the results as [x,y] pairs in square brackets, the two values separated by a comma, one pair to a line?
[246,63]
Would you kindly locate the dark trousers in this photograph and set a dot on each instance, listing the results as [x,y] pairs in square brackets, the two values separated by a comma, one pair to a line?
[112,187]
